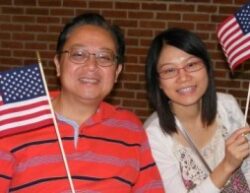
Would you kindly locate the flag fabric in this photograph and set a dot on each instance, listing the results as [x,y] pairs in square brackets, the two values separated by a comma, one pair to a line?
[23,101]
[234,36]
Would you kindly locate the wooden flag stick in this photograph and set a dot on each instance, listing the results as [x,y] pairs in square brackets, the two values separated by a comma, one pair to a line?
[55,124]
[247,104]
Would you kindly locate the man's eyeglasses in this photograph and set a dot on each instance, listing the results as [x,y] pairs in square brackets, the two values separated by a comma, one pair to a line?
[103,58]
[168,71]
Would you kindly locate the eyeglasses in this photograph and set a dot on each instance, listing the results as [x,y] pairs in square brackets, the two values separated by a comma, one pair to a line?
[168,71]
[103,58]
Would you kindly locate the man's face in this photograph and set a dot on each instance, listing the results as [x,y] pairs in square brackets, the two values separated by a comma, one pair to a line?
[88,81]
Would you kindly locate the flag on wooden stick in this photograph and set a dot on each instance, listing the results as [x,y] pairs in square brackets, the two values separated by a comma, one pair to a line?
[23,101]
[234,36]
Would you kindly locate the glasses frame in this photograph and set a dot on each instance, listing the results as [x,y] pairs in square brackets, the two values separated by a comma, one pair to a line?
[185,67]
[69,52]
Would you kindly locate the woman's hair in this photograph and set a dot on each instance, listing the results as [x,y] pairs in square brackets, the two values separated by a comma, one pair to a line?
[96,20]
[191,44]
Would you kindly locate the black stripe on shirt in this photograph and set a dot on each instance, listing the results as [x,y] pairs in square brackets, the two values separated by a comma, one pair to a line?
[147,166]
[71,139]
[85,178]
[110,140]
[33,143]
[100,179]
[5,177]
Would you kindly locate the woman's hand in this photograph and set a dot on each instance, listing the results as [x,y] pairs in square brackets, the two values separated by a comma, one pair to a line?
[236,150]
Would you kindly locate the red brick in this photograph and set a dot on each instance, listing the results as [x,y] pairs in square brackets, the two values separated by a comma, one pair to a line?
[74,3]
[48,20]
[140,33]
[168,16]
[126,5]
[47,37]
[141,15]
[36,46]
[207,8]
[23,36]
[101,4]
[12,10]
[61,12]
[49,3]
[5,36]
[196,17]
[25,2]
[11,27]
[153,24]
[154,6]
[228,9]
[114,14]
[5,53]
[37,11]
[181,7]
[126,23]
[35,28]
[12,44]
[4,2]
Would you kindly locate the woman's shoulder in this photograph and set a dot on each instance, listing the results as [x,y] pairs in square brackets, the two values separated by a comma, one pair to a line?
[152,120]
[226,101]
[153,128]
[223,97]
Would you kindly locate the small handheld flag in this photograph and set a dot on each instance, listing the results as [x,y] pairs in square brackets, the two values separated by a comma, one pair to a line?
[23,102]
[234,36]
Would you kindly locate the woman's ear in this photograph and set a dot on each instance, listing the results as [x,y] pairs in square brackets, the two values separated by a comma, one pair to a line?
[57,64]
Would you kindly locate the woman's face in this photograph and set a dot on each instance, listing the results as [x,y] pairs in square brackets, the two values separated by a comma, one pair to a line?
[183,77]
[88,81]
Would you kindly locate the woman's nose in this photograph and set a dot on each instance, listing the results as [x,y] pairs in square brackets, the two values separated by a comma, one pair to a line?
[183,74]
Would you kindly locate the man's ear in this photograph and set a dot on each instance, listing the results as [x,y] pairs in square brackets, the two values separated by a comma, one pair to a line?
[118,71]
[57,64]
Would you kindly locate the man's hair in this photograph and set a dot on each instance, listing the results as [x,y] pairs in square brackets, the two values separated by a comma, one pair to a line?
[96,20]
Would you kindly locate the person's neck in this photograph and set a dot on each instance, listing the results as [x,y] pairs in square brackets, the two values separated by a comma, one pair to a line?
[188,115]
[76,110]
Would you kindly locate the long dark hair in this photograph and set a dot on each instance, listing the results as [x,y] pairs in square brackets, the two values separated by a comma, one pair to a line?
[191,44]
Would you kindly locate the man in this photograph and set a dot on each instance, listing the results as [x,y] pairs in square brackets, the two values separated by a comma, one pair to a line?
[106,147]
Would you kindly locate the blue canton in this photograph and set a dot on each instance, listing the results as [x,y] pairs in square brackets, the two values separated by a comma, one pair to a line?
[21,84]
[243,18]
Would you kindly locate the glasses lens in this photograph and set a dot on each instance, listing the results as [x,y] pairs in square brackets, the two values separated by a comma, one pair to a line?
[105,58]
[194,66]
[168,71]
[78,55]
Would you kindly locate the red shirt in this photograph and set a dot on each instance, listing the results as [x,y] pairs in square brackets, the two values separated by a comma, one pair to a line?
[112,155]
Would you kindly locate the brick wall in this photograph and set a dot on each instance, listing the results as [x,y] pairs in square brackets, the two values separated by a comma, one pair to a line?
[29,25]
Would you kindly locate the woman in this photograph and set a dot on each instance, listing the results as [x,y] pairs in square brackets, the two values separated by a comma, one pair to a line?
[181,88]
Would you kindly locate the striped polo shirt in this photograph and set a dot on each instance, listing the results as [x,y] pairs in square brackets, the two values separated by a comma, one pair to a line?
[112,155]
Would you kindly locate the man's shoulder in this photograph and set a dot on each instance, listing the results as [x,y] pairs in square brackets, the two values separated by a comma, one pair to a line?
[121,113]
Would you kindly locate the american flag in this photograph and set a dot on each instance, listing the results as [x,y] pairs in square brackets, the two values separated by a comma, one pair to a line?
[234,37]
[23,101]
